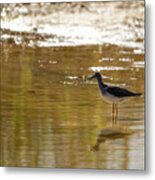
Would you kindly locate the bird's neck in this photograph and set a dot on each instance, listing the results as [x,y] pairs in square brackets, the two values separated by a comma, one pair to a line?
[101,85]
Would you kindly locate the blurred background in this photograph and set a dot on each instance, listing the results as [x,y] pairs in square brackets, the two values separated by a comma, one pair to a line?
[70,24]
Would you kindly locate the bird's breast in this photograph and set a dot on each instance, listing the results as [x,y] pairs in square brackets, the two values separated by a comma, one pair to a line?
[110,98]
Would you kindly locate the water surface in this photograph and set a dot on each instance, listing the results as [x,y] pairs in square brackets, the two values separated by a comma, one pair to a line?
[51,116]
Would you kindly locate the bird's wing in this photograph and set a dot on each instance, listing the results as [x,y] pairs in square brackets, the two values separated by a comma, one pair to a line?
[120,92]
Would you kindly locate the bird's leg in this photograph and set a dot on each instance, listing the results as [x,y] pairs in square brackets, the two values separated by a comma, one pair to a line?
[113,111]
[116,112]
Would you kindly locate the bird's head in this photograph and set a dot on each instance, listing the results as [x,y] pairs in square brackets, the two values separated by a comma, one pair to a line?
[97,75]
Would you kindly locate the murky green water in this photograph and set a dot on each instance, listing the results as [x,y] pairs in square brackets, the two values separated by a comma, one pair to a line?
[51,116]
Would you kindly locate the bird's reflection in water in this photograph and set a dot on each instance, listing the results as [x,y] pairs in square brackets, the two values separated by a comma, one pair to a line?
[110,133]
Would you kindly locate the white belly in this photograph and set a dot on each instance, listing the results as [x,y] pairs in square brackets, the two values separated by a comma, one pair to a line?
[113,99]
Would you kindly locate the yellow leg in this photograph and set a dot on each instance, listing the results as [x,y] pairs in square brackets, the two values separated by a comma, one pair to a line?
[116,111]
[113,111]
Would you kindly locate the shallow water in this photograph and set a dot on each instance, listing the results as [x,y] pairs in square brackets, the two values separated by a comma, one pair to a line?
[51,115]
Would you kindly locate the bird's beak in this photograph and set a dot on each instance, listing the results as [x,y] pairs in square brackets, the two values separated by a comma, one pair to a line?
[90,77]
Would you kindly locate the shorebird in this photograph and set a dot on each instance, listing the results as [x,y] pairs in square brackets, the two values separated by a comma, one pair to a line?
[112,94]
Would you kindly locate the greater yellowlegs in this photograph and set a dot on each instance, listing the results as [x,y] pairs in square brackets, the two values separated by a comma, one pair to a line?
[113,94]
